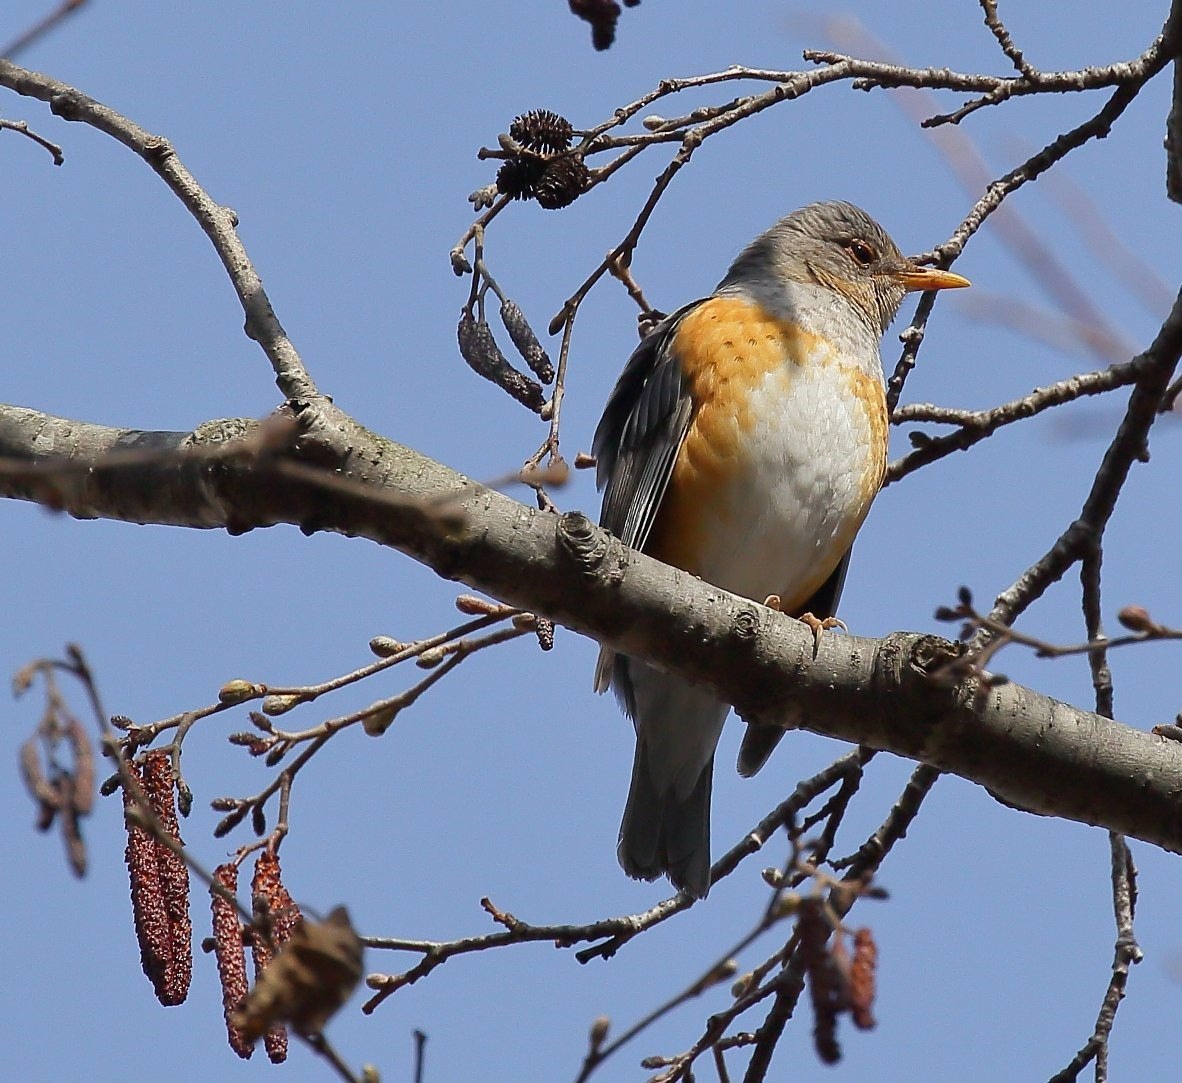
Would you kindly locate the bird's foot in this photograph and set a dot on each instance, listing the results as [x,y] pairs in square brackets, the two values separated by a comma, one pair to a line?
[772,601]
[819,625]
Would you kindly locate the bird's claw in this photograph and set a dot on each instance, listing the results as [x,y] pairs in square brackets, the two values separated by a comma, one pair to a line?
[819,625]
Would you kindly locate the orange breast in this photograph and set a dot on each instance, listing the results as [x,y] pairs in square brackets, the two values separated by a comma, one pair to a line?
[727,346]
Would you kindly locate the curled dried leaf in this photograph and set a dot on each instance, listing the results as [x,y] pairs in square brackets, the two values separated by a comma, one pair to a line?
[309,979]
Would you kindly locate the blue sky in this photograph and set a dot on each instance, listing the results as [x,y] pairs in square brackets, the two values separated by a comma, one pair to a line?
[346,143]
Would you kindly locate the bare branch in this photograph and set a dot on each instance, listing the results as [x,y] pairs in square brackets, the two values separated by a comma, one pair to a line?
[42,27]
[23,129]
[976,425]
[218,222]
[1157,365]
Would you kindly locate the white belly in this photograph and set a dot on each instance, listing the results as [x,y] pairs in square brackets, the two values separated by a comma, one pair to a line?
[812,466]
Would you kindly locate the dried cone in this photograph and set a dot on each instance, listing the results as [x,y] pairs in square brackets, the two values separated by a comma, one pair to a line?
[517,176]
[230,952]
[542,130]
[564,180]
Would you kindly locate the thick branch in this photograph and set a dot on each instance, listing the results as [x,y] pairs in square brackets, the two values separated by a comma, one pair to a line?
[890,694]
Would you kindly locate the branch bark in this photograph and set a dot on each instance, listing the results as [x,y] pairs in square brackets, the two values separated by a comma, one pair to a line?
[893,694]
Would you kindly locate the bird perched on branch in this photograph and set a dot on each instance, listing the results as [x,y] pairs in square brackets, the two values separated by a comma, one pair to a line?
[744,442]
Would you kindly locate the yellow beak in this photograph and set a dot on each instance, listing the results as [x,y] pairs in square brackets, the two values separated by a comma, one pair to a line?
[922,279]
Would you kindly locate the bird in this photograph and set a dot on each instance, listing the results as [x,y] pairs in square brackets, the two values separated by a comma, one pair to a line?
[744,442]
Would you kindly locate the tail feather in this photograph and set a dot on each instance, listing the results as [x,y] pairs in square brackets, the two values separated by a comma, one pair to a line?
[758,744]
[666,834]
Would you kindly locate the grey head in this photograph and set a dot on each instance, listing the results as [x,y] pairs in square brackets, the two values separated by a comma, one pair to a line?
[839,246]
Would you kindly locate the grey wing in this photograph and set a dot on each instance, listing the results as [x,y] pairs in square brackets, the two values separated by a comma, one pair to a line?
[643,426]
[636,443]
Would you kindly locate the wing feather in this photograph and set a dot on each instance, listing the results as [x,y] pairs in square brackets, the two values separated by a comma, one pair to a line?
[642,429]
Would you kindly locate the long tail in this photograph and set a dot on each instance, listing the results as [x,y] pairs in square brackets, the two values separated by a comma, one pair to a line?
[666,824]
[662,833]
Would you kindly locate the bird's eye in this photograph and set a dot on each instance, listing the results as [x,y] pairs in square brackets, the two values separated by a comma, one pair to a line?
[863,254]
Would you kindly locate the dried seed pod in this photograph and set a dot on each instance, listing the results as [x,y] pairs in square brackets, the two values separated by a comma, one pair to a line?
[863,972]
[174,873]
[526,341]
[562,182]
[149,910]
[72,829]
[479,349]
[542,130]
[82,796]
[39,787]
[230,952]
[518,175]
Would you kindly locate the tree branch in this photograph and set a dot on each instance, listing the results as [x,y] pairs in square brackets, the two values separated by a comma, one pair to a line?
[219,223]
[896,694]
